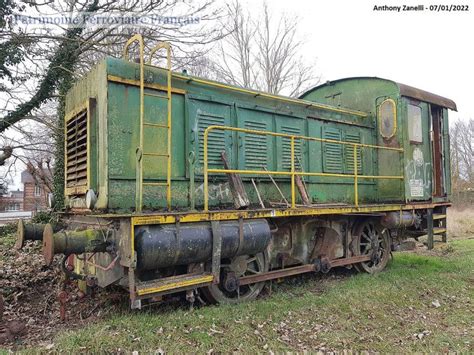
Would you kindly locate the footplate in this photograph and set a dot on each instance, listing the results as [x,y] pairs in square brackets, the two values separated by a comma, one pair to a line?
[174,283]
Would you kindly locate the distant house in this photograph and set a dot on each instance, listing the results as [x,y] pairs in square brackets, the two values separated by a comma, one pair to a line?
[12,201]
[35,193]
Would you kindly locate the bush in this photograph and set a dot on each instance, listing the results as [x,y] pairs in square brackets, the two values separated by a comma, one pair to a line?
[43,217]
[8,229]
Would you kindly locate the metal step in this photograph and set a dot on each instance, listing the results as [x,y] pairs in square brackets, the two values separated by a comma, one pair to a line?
[439,230]
[439,216]
[172,283]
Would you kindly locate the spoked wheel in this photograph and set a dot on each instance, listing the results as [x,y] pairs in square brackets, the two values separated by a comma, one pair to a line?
[228,289]
[370,238]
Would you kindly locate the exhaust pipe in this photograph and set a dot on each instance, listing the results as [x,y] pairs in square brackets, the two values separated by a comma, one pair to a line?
[72,242]
[400,219]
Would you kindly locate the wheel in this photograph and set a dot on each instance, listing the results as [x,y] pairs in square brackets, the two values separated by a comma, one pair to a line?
[371,238]
[228,290]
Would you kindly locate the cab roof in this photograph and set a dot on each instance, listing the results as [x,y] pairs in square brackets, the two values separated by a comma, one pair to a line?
[405,90]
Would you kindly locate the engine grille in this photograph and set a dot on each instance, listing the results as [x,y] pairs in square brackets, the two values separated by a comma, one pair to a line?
[76,153]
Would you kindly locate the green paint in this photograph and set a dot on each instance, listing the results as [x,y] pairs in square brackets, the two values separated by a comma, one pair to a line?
[115,131]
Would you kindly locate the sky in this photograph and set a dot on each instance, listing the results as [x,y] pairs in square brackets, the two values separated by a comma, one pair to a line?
[432,51]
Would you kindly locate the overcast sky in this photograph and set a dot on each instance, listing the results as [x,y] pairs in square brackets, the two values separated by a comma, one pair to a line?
[432,51]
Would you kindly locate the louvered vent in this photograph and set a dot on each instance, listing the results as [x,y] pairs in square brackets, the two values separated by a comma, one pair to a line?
[286,148]
[76,153]
[332,152]
[349,154]
[256,148]
[216,139]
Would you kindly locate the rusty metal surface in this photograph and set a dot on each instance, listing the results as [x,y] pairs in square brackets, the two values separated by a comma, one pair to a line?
[276,274]
[351,260]
[237,188]
[62,298]
[410,91]
[302,190]
[300,270]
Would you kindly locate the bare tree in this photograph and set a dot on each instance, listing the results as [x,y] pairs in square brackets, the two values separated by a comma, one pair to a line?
[462,154]
[262,53]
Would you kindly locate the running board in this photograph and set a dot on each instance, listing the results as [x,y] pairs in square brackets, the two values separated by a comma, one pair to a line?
[174,283]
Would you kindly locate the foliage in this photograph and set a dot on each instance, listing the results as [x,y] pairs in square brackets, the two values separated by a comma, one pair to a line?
[58,175]
[11,50]
[8,229]
[43,217]
[61,65]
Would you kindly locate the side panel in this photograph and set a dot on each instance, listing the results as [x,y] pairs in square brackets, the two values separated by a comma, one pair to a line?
[123,139]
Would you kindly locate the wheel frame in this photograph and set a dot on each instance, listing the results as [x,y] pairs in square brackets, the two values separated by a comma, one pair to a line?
[217,294]
[366,231]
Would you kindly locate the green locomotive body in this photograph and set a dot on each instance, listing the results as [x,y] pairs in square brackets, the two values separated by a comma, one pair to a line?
[176,183]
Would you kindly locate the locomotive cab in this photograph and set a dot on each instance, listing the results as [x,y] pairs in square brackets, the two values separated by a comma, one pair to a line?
[405,117]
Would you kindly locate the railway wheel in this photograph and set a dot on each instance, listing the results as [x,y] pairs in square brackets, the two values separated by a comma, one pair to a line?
[228,290]
[370,238]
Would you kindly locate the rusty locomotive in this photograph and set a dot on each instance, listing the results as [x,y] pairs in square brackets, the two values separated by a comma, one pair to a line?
[175,183]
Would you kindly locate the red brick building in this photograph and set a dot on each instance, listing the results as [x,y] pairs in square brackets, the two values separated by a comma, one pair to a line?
[11,201]
[35,193]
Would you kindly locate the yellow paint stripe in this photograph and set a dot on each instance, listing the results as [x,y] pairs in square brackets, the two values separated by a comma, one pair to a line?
[175,285]
[267,213]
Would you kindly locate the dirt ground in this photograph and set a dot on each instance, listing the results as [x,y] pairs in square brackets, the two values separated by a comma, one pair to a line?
[30,290]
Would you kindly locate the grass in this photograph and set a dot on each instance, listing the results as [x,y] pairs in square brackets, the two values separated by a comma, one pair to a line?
[389,312]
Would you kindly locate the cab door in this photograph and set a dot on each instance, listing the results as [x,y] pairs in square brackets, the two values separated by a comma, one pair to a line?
[418,162]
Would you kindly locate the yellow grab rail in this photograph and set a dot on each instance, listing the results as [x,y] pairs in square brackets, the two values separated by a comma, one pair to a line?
[292,173]
[139,152]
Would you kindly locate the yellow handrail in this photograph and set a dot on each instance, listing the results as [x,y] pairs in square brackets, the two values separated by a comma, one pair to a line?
[139,152]
[293,173]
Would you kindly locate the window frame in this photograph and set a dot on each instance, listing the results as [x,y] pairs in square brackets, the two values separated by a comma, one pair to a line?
[410,138]
[37,191]
[379,116]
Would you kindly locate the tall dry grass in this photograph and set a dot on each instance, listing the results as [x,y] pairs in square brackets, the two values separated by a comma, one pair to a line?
[461,222]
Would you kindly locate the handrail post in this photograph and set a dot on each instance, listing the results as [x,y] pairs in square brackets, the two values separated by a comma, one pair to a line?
[356,187]
[292,149]
[139,152]
[206,178]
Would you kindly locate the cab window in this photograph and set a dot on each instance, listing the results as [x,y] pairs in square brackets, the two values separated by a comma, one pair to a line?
[414,124]
[387,118]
